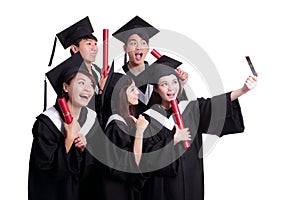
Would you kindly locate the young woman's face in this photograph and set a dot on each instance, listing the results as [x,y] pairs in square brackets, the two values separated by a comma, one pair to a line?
[168,87]
[137,49]
[80,90]
[132,94]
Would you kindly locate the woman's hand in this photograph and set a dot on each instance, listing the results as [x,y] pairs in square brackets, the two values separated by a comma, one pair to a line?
[72,132]
[249,84]
[181,135]
[183,76]
[72,129]
[141,124]
[80,142]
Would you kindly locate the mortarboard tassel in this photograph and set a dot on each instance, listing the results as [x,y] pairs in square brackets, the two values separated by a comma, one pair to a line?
[45,82]
[45,94]
[53,51]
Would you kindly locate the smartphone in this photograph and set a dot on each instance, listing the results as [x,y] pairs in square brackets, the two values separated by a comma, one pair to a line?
[251,66]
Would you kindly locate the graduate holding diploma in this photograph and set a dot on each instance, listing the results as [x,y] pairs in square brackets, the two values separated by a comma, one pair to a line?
[182,176]
[58,148]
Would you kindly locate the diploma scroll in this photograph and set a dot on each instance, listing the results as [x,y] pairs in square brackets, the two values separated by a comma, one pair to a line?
[179,121]
[65,109]
[105,53]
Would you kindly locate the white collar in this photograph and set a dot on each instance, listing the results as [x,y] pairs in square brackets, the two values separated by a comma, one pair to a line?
[115,117]
[54,116]
[163,120]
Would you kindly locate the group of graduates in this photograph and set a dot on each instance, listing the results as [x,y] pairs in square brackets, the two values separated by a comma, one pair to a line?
[123,141]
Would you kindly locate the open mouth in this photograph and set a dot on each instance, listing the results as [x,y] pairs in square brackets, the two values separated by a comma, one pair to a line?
[84,96]
[138,56]
[171,95]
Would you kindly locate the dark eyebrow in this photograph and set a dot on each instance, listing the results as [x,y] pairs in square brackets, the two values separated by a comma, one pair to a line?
[132,40]
[163,82]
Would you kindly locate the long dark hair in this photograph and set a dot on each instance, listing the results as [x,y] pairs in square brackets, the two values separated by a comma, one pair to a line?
[120,100]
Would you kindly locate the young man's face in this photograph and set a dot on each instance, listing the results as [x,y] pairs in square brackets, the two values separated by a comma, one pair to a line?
[88,49]
[137,49]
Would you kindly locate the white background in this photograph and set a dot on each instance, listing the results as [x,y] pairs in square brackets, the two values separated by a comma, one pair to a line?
[261,163]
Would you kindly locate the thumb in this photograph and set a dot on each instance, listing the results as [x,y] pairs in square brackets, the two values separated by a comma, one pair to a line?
[133,118]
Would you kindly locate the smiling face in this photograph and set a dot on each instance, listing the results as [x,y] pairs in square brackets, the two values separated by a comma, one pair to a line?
[132,94]
[137,49]
[167,88]
[88,49]
[80,90]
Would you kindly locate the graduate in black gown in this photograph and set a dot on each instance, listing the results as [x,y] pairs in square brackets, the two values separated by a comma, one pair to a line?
[135,35]
[124,133]
[58,149]
[79,38]
[181,176]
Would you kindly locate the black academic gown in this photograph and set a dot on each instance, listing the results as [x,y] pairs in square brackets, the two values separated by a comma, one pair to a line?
[91,181]
[185,179]
[95,102]
[53,173]
[123,180]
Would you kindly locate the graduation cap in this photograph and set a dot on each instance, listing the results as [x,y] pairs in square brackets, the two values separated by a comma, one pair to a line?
[71,34]
[67,37]
[163,66]
[63,71]
[135,26]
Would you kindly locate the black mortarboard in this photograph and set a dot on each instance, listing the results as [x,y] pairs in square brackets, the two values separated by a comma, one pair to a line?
[163,66]
[69,36]
[63,71]
[74,32]
[135,26]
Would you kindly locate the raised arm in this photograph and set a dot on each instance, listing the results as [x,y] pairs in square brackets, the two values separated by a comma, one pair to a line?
[141,124]
[249,84]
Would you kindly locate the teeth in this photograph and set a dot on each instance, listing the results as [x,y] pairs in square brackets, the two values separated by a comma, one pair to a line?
[84,96]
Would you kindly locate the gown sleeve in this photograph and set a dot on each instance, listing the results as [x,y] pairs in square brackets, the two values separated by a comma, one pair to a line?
[158,144]
[220,116]
[49,153]
[122,155]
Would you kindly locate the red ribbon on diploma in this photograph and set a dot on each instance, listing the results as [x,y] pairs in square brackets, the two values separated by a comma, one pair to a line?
[105,52]
[65,109]
[175,108]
